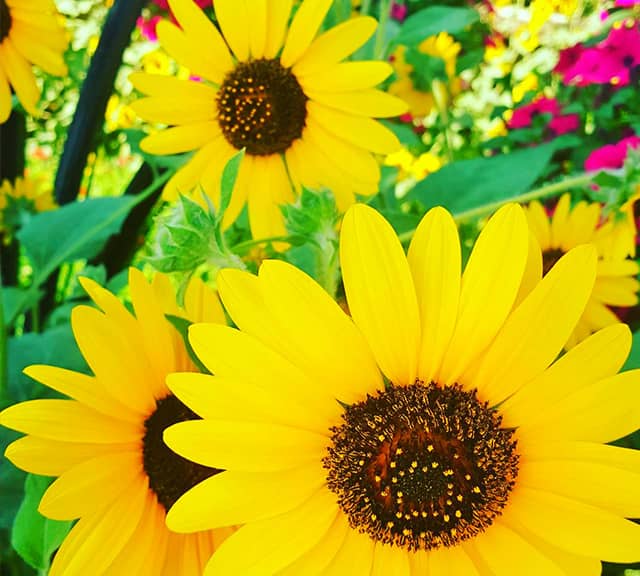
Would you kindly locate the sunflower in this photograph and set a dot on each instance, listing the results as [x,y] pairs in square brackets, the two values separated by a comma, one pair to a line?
[302,115]
[114,472]
[616,284]
[431,433]
[30,33]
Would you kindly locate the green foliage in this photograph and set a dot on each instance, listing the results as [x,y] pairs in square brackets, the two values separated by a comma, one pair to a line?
[468,184]
[227,183]
[313,219]
[433,20]
[33,536]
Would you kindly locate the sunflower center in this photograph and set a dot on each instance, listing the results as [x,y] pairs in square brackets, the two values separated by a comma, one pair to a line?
[5,20]
[421,466]
[170,475]
[549,259]
[261,107]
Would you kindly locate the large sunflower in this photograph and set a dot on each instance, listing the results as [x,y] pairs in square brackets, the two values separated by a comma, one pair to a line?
[105,445]
[433,433]
[303,115]
[29,33]
[614,237]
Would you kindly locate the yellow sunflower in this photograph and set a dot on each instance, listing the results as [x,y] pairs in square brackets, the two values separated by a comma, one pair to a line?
[105,445]
[30,33]
[431,433]
[616,283]
[302,114]
[24,195]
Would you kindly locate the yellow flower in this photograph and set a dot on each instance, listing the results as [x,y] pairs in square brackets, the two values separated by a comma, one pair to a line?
[29,34]
[118,115]
[616,283]
[24,195]
[429,433]
[528,84]
[285,96]
[114,473]
[418,168]
[420,101]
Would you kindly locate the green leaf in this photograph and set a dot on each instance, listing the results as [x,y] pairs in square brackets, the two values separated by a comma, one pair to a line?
[633,361]
[469,184]
[74,231]
[433,20]
[14,300]
[33,536]
[228,181]
[182,326]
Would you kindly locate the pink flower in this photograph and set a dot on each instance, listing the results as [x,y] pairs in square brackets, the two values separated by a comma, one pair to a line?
[147,27]
[399,11]
[523,116]
[568,59]
[627,3]
[564,124]
[611,155]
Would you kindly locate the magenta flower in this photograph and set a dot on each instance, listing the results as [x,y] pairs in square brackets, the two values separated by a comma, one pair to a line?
[627,3]
[523,116]
[564,124]
[611,155]
[399,11]
[147,27]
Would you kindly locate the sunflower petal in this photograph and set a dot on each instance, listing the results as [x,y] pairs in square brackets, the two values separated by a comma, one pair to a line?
[304,27]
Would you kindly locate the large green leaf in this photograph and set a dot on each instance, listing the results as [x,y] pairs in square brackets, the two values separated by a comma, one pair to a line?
[33,536]
[433,20]
[77,230]
[468,184]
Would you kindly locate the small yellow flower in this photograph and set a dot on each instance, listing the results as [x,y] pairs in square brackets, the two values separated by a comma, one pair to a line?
[24,195]
[616,284]
[528,84]
[104,445]
[30,33]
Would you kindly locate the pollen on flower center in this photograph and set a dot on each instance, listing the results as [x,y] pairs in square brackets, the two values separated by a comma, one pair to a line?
[421,466]
[5,20]
[170,475]
[261,107]
[550,257]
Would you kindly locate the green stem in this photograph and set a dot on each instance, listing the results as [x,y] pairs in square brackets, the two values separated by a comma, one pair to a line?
[379,46]
[542,192]
[4,357]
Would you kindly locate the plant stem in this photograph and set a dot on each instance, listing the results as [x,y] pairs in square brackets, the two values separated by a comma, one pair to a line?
[542,192]
[379,46]
[4,371]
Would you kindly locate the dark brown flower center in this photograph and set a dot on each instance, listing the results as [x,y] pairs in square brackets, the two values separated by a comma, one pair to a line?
[261,107]
[549,259]
[5,20]
[421,466]
[170,475]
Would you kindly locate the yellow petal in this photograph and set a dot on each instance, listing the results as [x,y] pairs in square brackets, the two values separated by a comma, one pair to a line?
[347,77]
[304,27]
[390,561]
[245,446]
[201,31]
[334,352]
[502,549]
[180,139]
[607,487]
[277,19]
[559,220]
[257,24]
[188,52]
[575,527]
[118,368]
[189,175]
[357,130]
[96,540]
[20,76]
[233,17]
[83,388]
[380,292]
[53,458]
[597,357]
[29,46]
[67,421]
[435,261]
[74,494]
[601,412]
[374,103]
[267,546]
[355,557]
[232,498]
[450,562]
[539,224]
[335,45]
[532,271]
[215,397]
[536,331]
[617,291]
[489,287]
[314,562]
[5,97]
[163,109]
[201,302]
